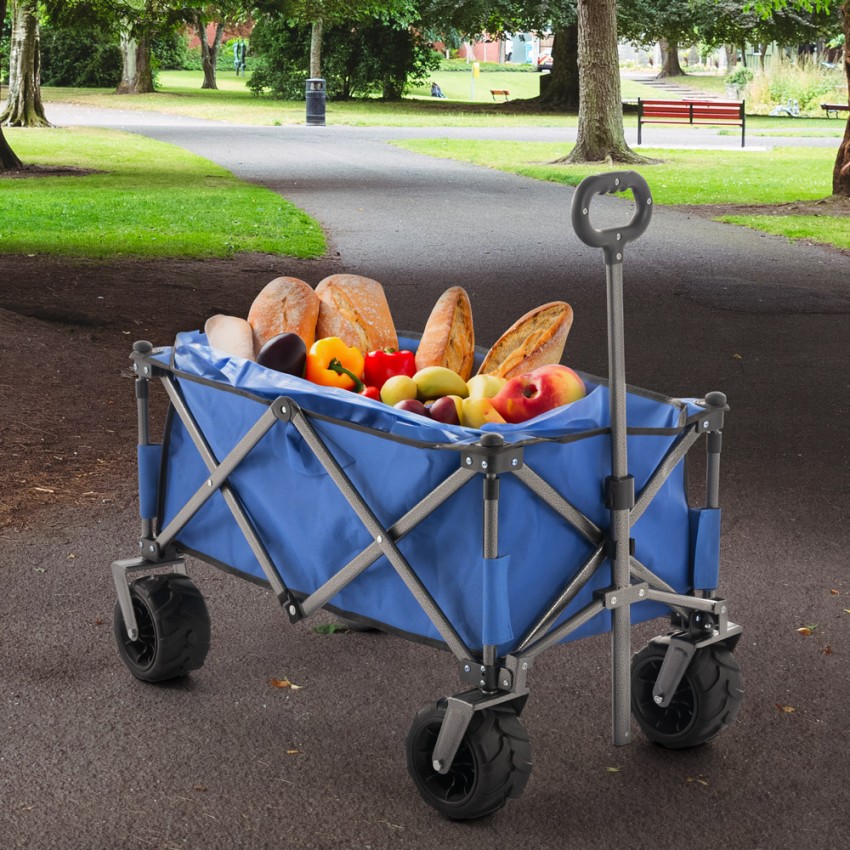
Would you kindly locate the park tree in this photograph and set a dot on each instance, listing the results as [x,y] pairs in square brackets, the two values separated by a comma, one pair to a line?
[319,14]
[671,23]
[600,115]
[23,106]
[222,14]
[9,160]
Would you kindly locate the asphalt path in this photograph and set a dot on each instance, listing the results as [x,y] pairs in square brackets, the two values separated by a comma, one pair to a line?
[91,758]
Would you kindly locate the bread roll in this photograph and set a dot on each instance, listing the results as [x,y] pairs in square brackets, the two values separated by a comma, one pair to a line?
[448,339]
[355,309]
[231,335]
[286,305]
[536,339]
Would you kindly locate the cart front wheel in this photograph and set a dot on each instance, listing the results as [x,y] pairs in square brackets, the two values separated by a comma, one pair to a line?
[492,764]
[706,701]
[174,628]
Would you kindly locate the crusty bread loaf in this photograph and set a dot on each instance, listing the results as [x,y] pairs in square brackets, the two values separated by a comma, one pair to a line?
[286,305]
[448,339]
[535,339]
[355,309]
[231,335]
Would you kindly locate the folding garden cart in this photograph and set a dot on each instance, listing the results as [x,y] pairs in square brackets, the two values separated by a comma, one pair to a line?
[495,544]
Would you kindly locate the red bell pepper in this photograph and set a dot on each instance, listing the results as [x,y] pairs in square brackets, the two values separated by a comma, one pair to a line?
[387,362]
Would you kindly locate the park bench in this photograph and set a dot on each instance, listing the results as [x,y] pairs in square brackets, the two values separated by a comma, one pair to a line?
[726,112]
[504,92]
[831,108]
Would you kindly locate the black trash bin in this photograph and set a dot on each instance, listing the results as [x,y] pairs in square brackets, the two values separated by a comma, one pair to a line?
[316,102]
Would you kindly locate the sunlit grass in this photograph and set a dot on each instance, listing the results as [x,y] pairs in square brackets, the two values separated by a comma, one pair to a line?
[146,199]
[680,176]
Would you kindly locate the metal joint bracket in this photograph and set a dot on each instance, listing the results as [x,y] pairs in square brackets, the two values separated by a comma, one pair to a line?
[291,606]
[611,548]
[491,455]
[459,712]
[617,598]
[151,551]
[710,420]
[475,673]
[620,493]
[284,408]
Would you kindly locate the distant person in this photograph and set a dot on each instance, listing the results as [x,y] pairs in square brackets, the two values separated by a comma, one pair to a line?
[239,57]
[436,91]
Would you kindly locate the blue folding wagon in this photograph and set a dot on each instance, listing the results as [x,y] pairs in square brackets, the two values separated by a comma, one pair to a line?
[495,544]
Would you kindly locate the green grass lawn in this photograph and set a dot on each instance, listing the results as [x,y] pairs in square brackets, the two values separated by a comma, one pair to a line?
[146,199]
[828,230]
[681,176]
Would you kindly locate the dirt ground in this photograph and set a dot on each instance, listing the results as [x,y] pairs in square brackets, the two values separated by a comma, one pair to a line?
[67,404]
[66,390]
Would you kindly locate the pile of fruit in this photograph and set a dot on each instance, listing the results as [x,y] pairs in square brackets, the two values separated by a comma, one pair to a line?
[511,385]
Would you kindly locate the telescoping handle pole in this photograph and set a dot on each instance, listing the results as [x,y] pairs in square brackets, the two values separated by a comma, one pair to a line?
[619,487]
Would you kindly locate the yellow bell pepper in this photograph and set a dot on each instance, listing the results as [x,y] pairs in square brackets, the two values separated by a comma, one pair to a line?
[331,363]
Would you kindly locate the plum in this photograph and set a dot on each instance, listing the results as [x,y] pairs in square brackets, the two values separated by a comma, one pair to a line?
[412,405]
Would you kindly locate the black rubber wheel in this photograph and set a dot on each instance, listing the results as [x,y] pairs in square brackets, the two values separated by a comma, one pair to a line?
[174,628]
[492,764]
[706,701]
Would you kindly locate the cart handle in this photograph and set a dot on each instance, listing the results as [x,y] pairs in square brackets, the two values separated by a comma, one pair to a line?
[613,239]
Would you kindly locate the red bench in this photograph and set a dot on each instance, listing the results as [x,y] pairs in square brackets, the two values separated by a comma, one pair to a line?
[726,112]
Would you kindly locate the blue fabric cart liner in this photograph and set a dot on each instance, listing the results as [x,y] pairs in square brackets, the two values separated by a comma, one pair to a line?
[394,459]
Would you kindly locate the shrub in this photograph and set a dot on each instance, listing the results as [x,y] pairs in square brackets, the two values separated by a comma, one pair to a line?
[803,81]
[75,57]
[369,59]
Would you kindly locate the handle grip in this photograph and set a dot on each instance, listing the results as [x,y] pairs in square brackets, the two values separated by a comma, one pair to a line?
[612,239]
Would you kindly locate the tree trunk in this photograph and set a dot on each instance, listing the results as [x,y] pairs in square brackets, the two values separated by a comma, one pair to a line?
[316,49]
[600,114]
[209,52]
[136,71]
[841,171]
[8,158]
[731,57]
[670,66]
[560,88]
[24,107]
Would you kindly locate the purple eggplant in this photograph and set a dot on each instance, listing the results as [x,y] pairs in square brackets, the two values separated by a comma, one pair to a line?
[285,352]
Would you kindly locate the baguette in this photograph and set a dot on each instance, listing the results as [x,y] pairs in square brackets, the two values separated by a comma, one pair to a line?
[286,305]
[535,339]
[231,335]
[355,309]
[448,339]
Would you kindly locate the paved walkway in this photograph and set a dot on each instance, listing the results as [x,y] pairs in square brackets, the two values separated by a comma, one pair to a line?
[106,762]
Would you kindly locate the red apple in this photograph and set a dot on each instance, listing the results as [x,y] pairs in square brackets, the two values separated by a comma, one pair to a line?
[545,388]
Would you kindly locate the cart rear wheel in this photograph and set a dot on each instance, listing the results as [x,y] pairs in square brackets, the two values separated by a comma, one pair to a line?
[174,628]
[492,764]
[706,701]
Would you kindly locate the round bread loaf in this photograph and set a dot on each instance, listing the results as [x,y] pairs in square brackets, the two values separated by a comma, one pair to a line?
[285,305]
[449,339]
[535,339]
[355,309]
[231,335]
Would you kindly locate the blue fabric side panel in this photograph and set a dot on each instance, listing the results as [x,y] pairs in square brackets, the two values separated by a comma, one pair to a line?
[496,620]
[149,460]
[705,547]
